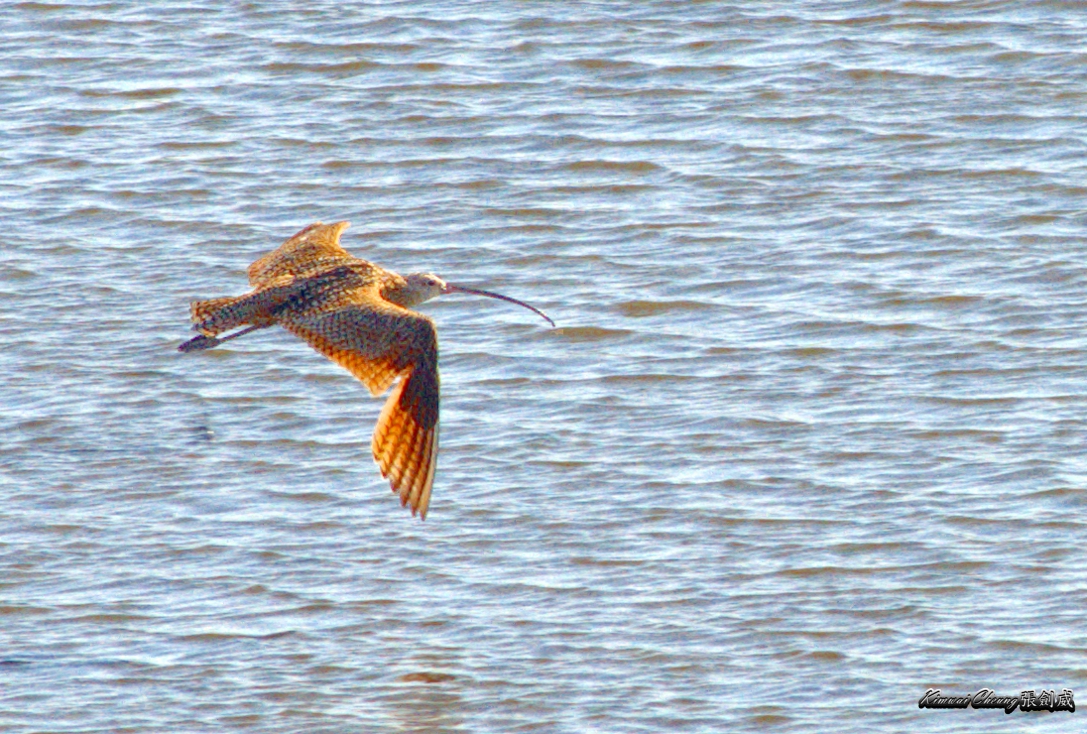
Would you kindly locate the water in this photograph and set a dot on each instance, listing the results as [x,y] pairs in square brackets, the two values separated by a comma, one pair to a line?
[809,438]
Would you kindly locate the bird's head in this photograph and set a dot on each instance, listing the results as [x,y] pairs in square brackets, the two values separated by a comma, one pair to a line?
[420,288]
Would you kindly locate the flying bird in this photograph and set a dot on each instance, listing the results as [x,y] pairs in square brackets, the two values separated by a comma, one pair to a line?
[358,315]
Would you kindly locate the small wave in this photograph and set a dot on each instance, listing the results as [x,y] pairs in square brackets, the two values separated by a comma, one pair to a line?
[604,165]
[641,309]
[590,333]
[426,677]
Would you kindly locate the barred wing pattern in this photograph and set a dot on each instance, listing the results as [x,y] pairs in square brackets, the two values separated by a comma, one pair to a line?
[312,250]
[378,342]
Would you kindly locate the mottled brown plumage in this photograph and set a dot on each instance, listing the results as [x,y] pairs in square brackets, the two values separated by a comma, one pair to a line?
[358,315]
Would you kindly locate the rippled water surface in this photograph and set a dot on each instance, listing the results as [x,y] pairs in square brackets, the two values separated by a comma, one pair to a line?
[809,438]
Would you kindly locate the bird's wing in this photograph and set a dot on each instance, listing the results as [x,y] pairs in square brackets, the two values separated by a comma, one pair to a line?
[316,247]
[378,342]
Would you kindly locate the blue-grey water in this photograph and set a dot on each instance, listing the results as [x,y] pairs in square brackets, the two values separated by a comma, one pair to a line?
[808,441]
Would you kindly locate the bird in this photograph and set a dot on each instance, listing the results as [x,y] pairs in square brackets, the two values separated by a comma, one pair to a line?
[360,316]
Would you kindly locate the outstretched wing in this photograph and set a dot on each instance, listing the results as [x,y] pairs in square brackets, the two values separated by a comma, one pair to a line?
[379,342]
[316,247]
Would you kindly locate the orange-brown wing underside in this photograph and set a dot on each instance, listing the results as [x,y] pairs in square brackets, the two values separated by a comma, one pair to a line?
[378,342]
[312,248]
[405,442]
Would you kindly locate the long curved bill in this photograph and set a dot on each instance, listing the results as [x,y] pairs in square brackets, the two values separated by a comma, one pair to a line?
[449,288]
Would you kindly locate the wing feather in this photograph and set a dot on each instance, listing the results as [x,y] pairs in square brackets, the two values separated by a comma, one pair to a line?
[405,442]
[424,473]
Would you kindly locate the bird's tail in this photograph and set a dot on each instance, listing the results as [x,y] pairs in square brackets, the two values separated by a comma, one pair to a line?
[216,315]
[213,315]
